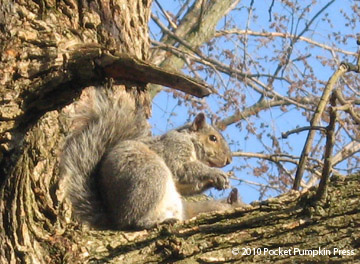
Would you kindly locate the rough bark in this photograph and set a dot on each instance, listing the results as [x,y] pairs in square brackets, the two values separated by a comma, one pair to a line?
[290,222]
[48,51]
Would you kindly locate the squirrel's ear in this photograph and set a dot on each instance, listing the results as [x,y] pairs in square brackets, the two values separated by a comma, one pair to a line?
[199,122]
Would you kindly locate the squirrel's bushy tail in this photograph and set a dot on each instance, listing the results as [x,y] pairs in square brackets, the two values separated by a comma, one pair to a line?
[104,121]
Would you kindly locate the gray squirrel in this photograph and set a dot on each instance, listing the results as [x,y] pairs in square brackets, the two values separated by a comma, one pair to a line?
[120,177]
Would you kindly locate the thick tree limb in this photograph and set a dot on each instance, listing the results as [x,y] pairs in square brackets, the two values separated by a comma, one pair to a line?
[286,222]
[125,67]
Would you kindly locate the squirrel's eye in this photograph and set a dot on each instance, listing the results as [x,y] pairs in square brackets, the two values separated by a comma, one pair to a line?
[213,138]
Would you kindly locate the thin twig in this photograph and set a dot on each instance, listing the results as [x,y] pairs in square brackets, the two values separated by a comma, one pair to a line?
[270,10]
[300,129]
[282,35]
[166,15]
[254,83]
[257,184]
[347,106]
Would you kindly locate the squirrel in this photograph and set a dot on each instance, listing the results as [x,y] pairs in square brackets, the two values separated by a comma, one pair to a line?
[120,177]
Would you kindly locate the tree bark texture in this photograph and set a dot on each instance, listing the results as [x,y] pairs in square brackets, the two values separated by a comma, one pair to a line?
[292,222]
[48,55]
[49,52]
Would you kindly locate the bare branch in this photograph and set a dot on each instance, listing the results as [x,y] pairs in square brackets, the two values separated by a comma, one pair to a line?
[300,129]
[250,111]
[349,150]
[168,18]
[270,157]
[315,120]
[269,92]
[347,106]
[254,83]
[258,184]
[270,9]
[330,142]
[282,35]
[278,158]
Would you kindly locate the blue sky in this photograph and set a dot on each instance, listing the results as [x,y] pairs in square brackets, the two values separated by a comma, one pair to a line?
[167,113]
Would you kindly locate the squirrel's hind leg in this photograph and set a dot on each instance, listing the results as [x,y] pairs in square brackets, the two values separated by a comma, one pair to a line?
[169,207]
[137,187]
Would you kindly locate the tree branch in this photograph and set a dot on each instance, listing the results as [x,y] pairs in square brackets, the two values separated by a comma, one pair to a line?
[193,31]
[250,111]
[277,158]
[330,142]
[349,150]
[315,121]
[347,106]
[282,35]
[123,66]
[248,78]
[300,129]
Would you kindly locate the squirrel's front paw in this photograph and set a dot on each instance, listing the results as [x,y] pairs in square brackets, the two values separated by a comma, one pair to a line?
[221,181]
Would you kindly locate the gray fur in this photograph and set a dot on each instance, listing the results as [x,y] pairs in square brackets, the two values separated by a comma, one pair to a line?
[84,149]
[120,177]
[191,158]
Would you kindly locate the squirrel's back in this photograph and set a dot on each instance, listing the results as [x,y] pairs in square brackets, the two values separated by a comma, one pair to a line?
[101,122]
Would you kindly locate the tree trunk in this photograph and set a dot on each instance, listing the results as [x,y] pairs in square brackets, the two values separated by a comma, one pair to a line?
[50,51]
